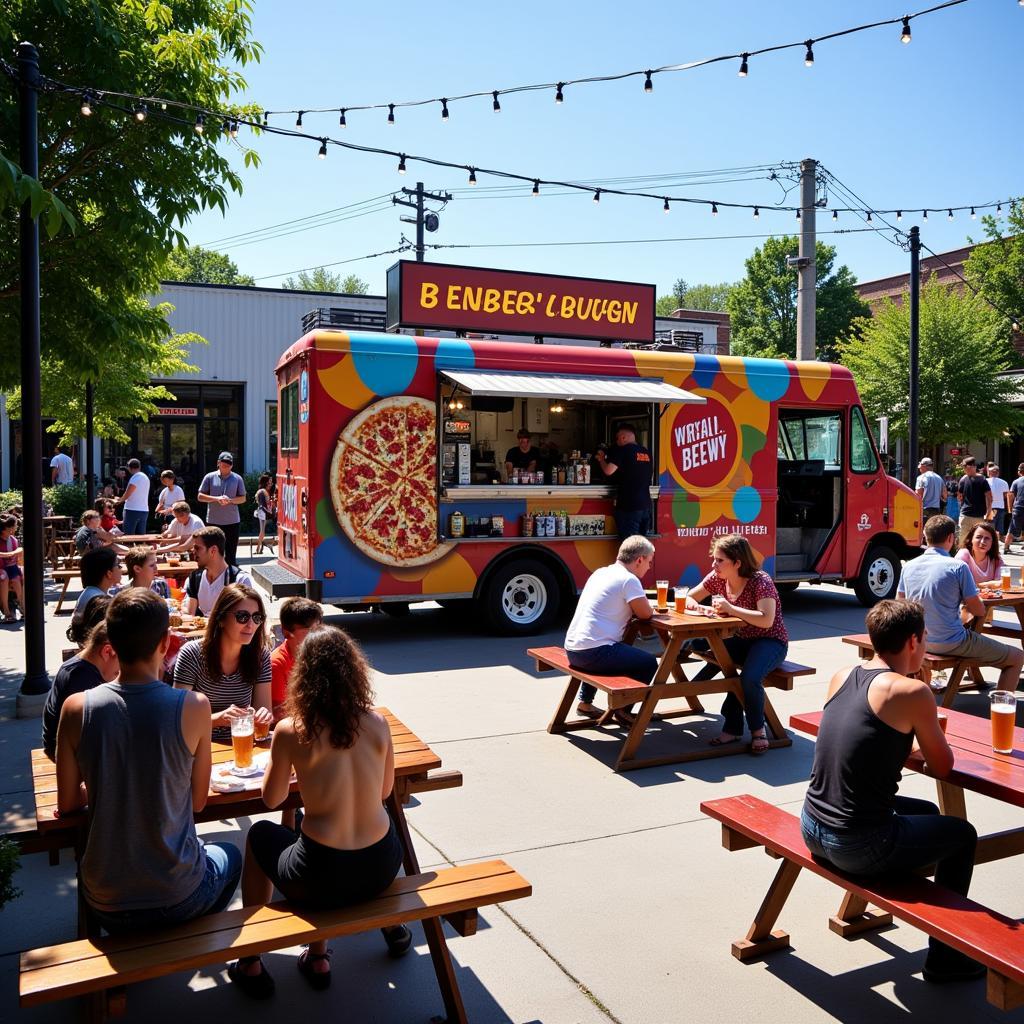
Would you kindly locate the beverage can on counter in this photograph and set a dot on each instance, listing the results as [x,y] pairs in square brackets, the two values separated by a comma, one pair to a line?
[457,525]
[527,525]
[497,526]
[561,524]
[570,474]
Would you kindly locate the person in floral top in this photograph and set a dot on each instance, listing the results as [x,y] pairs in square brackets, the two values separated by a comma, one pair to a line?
[738,587]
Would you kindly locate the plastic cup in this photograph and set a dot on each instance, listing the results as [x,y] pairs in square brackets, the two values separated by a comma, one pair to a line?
[1003,707]
[242,729]
[662,586]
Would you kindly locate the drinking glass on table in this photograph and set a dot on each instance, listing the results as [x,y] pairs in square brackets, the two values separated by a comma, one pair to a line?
[242,730]
[1005,579]
[1004,717]
[682,593]
[662,586]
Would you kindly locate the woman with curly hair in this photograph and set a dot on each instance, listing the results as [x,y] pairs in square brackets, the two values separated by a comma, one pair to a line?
[981,553]
[231,664]
[347,849]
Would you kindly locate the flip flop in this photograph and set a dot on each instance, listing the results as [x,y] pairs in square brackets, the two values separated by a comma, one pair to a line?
[589,713]
[721,741]
[756,747]
[256,986]
[318,980]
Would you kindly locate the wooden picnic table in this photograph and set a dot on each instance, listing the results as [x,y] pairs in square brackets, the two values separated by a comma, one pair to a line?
[52,525]
[994,598]
[977,767]
[142,538]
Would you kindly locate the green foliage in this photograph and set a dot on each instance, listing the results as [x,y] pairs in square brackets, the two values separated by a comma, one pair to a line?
[354,285]
[67,500]
[712,297]
[668,304]
[320,280]
[194,264]
[10,861]
[129,187]
[997,268]
[9,500]
[762,307]
[962,351]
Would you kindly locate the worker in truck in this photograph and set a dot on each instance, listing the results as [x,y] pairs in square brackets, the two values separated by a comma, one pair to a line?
[523,456]
[629,466]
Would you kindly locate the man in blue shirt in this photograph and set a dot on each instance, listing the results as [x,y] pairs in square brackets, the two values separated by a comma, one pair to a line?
[222,492]
[942,584]
[930,489]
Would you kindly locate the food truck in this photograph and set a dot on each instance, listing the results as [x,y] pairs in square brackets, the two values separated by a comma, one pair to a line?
[394,486]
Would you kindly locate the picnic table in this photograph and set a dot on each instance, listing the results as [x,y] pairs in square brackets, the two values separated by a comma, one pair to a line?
[977,767]
[993,598]
[52,527]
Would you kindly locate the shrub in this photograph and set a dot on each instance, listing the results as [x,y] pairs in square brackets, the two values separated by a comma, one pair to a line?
[9,863]
[9,500]
[66,500]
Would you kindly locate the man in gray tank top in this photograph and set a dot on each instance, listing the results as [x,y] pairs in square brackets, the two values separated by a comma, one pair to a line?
[137,753]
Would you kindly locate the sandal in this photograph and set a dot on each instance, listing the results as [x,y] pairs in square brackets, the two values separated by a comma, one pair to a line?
[318,980]
[624,717]
[721,741]
[399,940]
[256,986]
[588,711]
[9,619]
[759,744]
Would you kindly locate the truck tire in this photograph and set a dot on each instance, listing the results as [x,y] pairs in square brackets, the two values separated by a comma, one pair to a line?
[879,576]
[521,598]
[395,609]
[786,587]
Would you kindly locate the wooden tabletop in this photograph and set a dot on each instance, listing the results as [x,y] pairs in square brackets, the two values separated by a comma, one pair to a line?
[977,766]
[995,598]
[413,758]
[673,623]
[182,569]
[143,538]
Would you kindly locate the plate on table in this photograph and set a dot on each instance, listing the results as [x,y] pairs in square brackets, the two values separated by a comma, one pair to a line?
[229,778]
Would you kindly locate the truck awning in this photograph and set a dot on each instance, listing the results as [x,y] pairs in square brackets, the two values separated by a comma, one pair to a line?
[558,385]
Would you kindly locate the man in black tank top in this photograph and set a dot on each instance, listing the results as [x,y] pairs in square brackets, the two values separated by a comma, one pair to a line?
[852,817]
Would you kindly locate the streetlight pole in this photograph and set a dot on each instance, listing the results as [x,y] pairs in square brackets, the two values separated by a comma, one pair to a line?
[915,317]
[420,195]
[806,271]
[36,682]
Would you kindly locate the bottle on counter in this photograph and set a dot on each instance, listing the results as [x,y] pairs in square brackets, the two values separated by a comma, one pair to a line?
[528,525]
[570,474]
[457,525]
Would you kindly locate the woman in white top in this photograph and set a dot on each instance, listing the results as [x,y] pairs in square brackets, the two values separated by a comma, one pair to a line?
[168,496]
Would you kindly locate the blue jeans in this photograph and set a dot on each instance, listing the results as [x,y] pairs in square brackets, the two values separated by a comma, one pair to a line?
[630,522]
[918,835]
[213,894]
[616,659]
[756,656]
[134,521]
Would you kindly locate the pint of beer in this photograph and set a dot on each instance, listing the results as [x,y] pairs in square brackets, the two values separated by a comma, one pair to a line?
[241,739]
[681,595]
[261,730]
[1005,579]
[1004,716]
[662,586]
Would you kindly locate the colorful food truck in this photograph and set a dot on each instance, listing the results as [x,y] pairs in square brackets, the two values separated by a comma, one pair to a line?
[394,485]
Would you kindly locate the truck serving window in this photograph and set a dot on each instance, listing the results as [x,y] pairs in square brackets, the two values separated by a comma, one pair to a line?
[862,452]
[290,417]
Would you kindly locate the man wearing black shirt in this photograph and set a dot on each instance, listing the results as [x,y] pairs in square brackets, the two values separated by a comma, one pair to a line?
[629,466]
[975,499]
[523,456]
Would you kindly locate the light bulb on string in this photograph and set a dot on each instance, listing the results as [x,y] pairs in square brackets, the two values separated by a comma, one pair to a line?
[298,120]
[496,105]
[597,196]
[536,188]
[141,112]
[472,175]
[974,216]
[163,106]
[714,209]
[648,84]
[86,107]
[924,214]
[199,125]
[266,119]
[322,151]
[757,213]
[444,110]
[401,163]
[899,216]
[666,207]
[905,33]
[809,57]
[391,113]
[949,214]
[744,57]
[798,213]
[559,98]
[835,215]
[999,207]
[341,118]
[233,130]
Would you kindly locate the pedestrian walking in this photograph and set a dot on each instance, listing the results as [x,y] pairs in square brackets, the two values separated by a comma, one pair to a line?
[222,491]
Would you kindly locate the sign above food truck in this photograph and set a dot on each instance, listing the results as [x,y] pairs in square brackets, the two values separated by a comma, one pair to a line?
[453,298]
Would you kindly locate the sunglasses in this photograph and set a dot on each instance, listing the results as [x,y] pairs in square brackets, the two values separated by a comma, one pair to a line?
[243,617]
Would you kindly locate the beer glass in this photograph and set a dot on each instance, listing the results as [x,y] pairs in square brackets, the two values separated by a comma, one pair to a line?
[1005,581]
[681,595]
[1004,716]
[261,730]
[241,739]
[662,586]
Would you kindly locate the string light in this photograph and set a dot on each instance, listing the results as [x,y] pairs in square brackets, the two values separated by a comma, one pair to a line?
[198,126]
[999,208]
[905,34]
[444,110]
[322,151]
[949,215]
[899,215]
[974,216]
[798,213]
[141,112]
[869,216]
[666,207]
[391,113]
[757,213]
[401,164]
[472,175]
[496,104]
[86,106]
[559,98]
[809,58]
[924,213]
[714,209]
[743,65]
[341,118]
[536,188]
[298,120]
[597,196]
[648,84]
[835,215]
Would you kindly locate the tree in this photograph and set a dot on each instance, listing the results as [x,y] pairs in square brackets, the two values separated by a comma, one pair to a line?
[668,304]
[355,285]
[962,351]
[762,307]
[997,267]
[322,280]
[711,297]
[203,266]
[128,185]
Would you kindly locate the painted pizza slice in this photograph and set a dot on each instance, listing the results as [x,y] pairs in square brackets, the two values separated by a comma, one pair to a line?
[421,439]
[417,531]
[380,433]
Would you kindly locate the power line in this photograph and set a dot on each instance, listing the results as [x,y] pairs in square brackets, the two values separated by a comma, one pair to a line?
[1015,319]
[323,266]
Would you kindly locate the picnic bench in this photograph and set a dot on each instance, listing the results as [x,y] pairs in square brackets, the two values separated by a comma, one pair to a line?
[957,667]
[984,935]
[65,576]
[621,692]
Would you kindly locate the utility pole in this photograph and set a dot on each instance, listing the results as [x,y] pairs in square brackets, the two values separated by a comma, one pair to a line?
[423,219]
[915,317]
[805,263]
[36,682]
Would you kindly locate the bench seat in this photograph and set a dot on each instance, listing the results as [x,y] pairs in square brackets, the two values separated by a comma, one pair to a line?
[985,935]
[93,966]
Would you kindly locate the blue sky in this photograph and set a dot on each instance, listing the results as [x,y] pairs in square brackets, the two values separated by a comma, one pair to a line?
[932,123]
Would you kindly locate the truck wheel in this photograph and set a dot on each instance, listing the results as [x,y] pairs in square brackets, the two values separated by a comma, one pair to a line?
[395,609]
[521,598]
[879,576]
[786,587]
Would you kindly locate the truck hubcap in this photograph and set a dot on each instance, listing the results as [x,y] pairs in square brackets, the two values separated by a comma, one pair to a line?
[524,598]
[880,574]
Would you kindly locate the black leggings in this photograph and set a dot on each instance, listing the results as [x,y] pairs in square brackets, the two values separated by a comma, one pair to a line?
[307,872]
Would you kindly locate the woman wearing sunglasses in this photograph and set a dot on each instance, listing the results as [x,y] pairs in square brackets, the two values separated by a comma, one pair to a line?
[231,664]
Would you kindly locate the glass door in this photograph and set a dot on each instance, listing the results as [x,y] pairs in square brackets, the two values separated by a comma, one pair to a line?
[182,445]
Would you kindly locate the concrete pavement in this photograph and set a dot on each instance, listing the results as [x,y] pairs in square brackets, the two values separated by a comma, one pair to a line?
[635,902]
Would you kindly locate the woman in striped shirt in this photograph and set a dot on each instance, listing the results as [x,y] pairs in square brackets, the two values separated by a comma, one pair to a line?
[231,664]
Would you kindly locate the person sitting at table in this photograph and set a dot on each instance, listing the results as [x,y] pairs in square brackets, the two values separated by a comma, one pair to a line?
[942,584]
[214,573]
[181,529]
[231,663]
[108,518]
[10,570]
[981,553]
[142,751]
[738,587]
[169,496]
[83,621]
[852,816]
[96,663]
[610,599]
[100,571]
[347,849]
[298,616]
[91,535]
[141,566]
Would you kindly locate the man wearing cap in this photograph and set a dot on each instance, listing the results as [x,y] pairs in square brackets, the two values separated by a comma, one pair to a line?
[222,492]
[930,489]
